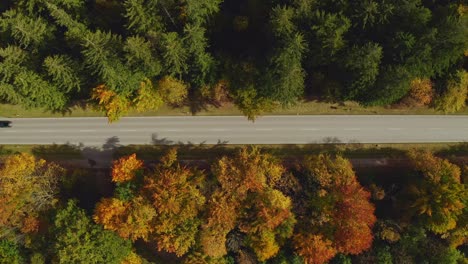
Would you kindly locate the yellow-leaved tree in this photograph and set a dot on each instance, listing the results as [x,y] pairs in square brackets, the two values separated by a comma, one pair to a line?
[28,186]
[147,98]
[111,103]
[435,195]
[173,91]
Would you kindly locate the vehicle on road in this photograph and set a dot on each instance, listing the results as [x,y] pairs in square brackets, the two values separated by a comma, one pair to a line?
[5,123]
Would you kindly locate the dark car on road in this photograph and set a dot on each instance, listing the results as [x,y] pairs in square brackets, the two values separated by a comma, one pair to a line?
[5,123]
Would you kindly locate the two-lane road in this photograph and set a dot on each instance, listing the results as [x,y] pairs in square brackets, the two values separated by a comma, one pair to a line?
[237,130]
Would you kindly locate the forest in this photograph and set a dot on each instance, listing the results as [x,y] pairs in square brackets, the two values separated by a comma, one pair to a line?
[248,206]
[136,55]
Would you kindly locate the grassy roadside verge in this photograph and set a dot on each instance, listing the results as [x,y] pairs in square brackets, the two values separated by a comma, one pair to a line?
[48,152]
[302,108]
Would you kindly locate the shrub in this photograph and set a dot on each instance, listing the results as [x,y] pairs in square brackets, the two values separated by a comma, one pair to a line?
[173,91]
[421,93]
[453,99]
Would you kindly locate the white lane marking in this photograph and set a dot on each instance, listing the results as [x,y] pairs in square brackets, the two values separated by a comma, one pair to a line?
[218,129]
[10,131]
[46,131]
[435,128]
[127,130]
[394,128]
[87,130]
[352,129]
[309,129]
[263,129]
[172,130]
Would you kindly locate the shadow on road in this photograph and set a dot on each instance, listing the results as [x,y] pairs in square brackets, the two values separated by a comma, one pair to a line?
[160,141]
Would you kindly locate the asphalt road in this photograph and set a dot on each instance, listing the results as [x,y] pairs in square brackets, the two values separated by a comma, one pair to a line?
[237,130]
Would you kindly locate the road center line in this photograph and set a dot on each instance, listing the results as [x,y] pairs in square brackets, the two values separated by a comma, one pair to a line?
[394,128]
[219,129]
[87,130]
[309,129]
[352,129]
[127,130]
[263,129]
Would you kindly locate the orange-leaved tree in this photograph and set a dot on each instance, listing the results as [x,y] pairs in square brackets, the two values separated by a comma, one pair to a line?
[28,186]
[175,193]
[337,207]
[314,249]
[246,200]
[124,169]
[131,219]
[421,93]
[162,206]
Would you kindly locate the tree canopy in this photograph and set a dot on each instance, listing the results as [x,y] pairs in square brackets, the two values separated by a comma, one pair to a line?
[56,53]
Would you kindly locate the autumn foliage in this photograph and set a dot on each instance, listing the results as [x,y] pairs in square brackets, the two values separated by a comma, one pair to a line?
[436,195]
[147,97]
[175,194]
[165,208]
[124,169]
[28,186]
[421,93]
[248,208]
[131,220]
[246,199]
[173,91]
[110,102]
[343,214]
[314,249]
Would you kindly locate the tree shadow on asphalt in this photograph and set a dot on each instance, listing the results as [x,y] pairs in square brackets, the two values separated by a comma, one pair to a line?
[160,141]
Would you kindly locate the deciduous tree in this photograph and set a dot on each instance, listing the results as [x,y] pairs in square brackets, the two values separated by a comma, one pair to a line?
[314,249]
[435,197]
[175,194]
[131,220]
[125,168]
[246,199]
[421,93]
[28,186]
[76,239]
[337,207]
[164,207]
[173,91]
[111,103]
[454,97]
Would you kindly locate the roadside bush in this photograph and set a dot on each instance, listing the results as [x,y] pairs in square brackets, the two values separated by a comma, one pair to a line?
[173,91]
[453,99]
[217,94]
[421,93]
